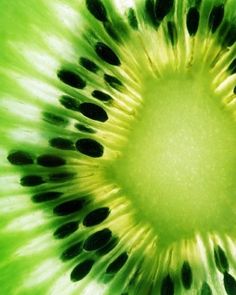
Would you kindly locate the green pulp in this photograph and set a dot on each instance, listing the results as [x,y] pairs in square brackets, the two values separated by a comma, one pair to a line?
[178,166]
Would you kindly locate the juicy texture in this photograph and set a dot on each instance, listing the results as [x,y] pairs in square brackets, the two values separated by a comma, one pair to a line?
[84,85]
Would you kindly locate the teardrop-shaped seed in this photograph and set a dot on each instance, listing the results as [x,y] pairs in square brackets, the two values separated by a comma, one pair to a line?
[192,21]
[66,230]
[81,270]
[71,103]
[46,196]
[216,17]
[162,8]
[206,289]
[62,143]
[97,240]
[107,54]
[20,158]
[97,9]
[71,78]
[69,207]
[103,96]
[89,147]
[93,111]
[31,180]
[50,161]
[96,216]
[88,64]
[186,275]
[221,259]
[229,284]
[117,264]
[167,286]
[72,251]
[132,19]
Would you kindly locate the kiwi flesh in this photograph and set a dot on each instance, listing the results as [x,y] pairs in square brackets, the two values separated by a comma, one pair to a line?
[118,143]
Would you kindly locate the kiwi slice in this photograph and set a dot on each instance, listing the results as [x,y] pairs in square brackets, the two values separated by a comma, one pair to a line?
[118,147]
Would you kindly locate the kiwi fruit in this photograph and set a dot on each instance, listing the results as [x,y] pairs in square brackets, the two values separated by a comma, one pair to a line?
[118,147]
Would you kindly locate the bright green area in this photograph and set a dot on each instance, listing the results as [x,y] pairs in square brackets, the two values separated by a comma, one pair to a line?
[178,167]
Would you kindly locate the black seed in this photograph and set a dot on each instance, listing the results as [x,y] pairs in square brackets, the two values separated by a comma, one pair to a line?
[107,54]
[97,9]
[186,275]
[54,119]
[232,67]
[111,31]
[88,64]
[150,10]
[69,207]
[72,79]
[81,270]
[66,230]
[235,90]
[206,290]
[221,259]
[93,111]
[108,247]
[20,158]
[96,216]
[167,286]
[113,81]
[101,95]
[50,161]
[62,143]
[70,103]
[162,8]
[89,147]
[46,196]
[216,17]
[192,21]
[117,264]
[72,251]
[132,19]
[61,177]
[31,180]
[83,128]
[172,32]
[97,240]
[229,284]
[228,33]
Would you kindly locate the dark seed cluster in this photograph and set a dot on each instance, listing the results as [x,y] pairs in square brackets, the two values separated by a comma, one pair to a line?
[101,242]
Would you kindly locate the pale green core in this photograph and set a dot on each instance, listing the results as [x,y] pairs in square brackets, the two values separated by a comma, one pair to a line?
[178,167]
